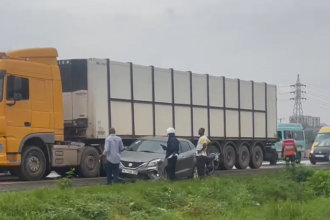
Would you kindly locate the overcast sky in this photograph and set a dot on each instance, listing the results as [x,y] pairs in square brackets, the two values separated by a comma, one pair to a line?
[262,40]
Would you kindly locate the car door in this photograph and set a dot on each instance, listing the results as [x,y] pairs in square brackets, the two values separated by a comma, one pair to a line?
[185,162]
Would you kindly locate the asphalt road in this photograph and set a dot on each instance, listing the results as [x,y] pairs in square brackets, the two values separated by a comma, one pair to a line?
[10,183]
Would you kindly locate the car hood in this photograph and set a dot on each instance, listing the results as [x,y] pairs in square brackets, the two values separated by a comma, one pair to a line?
[317,150]
[134,156]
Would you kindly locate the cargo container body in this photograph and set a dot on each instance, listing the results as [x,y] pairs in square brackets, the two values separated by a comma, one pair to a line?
[145,100]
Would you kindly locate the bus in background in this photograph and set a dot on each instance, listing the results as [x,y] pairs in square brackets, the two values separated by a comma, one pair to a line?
[297,133]
[324,133]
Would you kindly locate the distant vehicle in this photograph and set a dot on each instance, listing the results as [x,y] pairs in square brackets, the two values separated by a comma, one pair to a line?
[297,133]
[145,159]
[324,133]
[321,152]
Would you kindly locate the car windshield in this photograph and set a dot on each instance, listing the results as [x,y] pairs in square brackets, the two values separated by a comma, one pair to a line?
[148,146]
[324,143]
[321,137]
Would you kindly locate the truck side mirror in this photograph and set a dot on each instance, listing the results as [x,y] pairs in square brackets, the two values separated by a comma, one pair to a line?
[17,84]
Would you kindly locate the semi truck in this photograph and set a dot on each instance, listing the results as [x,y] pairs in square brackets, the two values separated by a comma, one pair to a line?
[55,114]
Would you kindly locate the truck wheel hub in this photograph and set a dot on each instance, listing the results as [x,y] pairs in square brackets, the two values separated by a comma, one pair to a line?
[34,164]
[244,156]
[90,162]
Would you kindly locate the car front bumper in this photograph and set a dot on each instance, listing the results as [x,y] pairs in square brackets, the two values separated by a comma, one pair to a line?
[143,172]
[319,157]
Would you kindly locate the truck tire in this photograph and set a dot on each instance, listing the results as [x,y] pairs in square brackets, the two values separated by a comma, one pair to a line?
[33,165]
[229,158]
[243,158]
[273,160]
[90,163]
[257,157]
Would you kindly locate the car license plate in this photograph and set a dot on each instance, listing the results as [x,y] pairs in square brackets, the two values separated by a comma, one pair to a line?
[319,155]
[133,172]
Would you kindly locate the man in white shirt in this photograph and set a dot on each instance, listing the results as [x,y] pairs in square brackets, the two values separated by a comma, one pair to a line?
[201,154]
[112,150]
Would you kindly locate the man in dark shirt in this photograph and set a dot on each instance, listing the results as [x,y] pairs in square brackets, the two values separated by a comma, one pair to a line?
[172,152]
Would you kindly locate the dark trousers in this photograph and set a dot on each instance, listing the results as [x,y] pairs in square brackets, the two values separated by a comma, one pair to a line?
[112,172]
[290,159]
[201,161]
[171,167]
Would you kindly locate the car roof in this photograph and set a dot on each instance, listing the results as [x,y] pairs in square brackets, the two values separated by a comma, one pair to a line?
[159,138]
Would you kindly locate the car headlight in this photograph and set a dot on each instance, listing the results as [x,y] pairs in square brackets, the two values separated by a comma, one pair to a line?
[153,163]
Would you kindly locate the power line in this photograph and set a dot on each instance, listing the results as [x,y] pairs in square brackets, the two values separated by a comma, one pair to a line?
[318,90]
[317,100]
[317,106]
[319,95]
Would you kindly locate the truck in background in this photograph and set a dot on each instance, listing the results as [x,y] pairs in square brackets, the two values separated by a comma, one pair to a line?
[55,115]
[297,133]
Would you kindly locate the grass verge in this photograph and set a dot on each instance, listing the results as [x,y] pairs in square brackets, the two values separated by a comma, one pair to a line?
[288,195]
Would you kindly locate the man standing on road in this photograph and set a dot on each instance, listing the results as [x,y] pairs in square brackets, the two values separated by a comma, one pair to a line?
[289,150]
[202,144]
[172,151]
[112,150]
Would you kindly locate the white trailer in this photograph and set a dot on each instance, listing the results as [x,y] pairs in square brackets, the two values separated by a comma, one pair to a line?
[239,116]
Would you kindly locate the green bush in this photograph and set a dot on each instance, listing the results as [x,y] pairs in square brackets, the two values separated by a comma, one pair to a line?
[300,174]
[320,183]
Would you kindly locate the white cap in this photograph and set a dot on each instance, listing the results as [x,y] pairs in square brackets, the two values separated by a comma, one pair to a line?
[170,130]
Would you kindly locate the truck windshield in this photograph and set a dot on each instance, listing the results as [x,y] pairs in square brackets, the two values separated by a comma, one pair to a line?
[148,146]
[321,137]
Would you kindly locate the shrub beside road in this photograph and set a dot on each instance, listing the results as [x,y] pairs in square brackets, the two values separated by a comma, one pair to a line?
[302,194]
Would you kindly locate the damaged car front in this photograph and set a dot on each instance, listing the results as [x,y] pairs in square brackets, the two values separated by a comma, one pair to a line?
[144,159]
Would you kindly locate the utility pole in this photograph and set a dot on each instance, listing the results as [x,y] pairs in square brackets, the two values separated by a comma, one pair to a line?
[280,119]
[297,114]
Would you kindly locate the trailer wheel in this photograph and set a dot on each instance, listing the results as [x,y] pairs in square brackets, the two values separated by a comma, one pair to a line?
[90,163]
[243,158]
[33,164]
[229,158]
[257,157]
